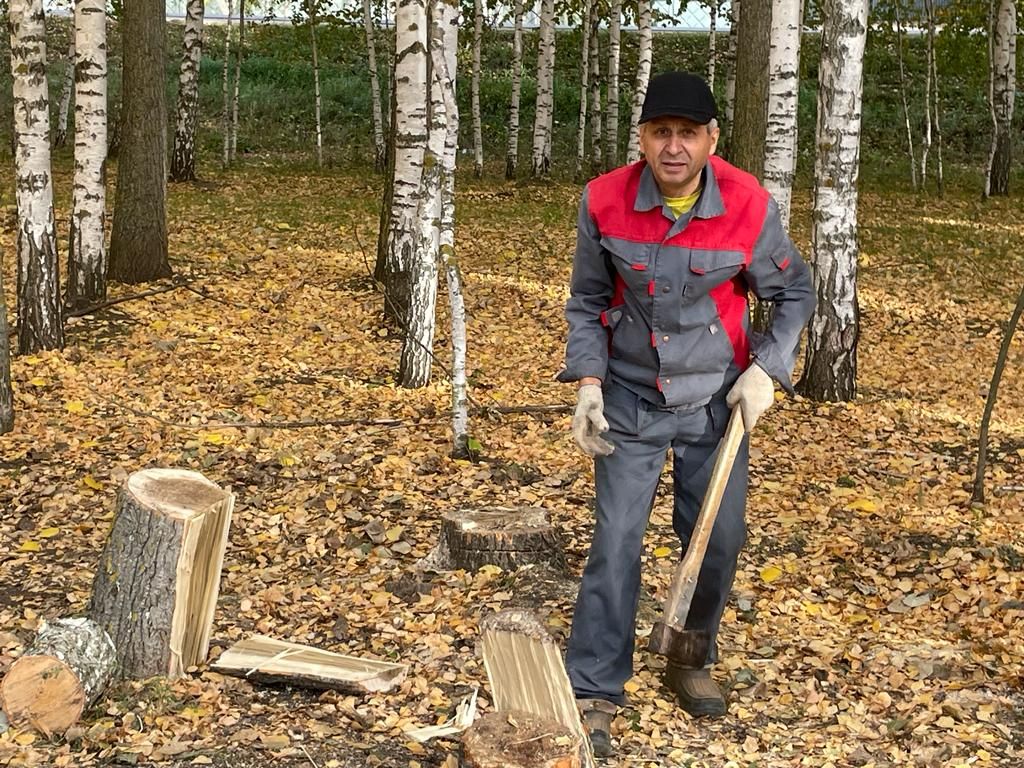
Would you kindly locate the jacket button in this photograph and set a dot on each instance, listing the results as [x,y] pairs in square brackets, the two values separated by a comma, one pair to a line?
[668,381]
[666,288]
[664,338]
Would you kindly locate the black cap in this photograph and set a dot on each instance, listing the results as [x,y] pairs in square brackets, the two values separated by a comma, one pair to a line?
[679,94]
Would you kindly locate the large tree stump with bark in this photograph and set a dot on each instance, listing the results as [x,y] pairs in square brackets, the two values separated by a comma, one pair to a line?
[158,578]
[519,740]
[507,538]
[65,669]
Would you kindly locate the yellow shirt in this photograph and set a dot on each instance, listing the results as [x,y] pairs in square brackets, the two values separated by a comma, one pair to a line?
[681,205]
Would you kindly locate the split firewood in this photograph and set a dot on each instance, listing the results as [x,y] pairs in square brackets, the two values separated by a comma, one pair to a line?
[267,660]
[65,669]
[520,740]
[156,586]
[507,538]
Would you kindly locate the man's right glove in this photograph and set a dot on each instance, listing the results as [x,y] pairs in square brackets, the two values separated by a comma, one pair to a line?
[588,422]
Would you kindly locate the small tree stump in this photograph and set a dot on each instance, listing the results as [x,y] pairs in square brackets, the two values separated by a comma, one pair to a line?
[158,578]
[515,739]
[65,669]
[507,538]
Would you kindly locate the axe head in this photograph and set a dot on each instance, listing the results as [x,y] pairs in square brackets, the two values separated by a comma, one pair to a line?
[686,647]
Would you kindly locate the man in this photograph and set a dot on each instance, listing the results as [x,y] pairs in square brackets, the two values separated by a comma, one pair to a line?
[660,344]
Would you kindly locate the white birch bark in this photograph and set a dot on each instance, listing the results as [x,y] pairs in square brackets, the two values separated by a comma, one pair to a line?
[239,50]
[611,111]
[596,118]
[316,85]
[6,391]
[40,322]
[936,115]
[712,42]
[903,96]
[478,137]
[831,369]
[783,93]
[226,113]
[183,159]
[65,97]
[545,95]
[730,81]
[512,151]
[379,146]
[643,75]
[87,258]
[1002,87]
[581,125]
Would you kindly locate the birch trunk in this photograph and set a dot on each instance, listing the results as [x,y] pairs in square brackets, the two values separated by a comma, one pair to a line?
[87,258]
[183,160]
[226,114]
[6,392]
[926,143]
[643,74]
[712,43]
[1002,85]
[831,366]
[380,148]
[545,83]
[730,81]
[65,97]
[934,78]
[783,92]
[903,96]
[611,111]
[409,129]
[316,86]
[478,138]
[40,321]
[512,151]
[581,125]
[596,134]
[239,52]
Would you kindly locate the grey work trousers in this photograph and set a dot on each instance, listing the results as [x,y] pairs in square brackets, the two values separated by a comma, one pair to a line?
[599,657]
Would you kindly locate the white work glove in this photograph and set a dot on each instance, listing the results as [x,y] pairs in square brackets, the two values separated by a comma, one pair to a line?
[754,393]
[588,422]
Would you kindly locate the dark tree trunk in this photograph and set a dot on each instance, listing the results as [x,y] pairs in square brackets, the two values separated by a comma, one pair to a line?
[747,134]
[1001,157]
[138,238]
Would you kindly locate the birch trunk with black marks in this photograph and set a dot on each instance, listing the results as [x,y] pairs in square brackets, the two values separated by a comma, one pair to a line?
[611,111]
[40,320]
[138,238]
[6,392]
[712,42]
[750,119]
[316,85]
[933,77]
[903,95]
[830,372]
[1002,87]
[183,158]
[478,136]
[542,123]
[512,151]
[61,138]
[226,80]
[783,92]
[596,117]
[409,129]
[87,256]
[643,75]
[239,53]
[730,81]
[379,146]
[581,123]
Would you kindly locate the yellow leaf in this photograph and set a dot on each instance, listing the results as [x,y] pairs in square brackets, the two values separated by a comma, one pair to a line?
[75,406]
[288,461]
[631,686]
[770,573]
[48,533]
[25,738]
[92,482]
[37,382]
[89,444]
[29,546]
[331,504]
[812,609]
[663,551]
[862,505]
[261,400]
[213,438]
[395,533]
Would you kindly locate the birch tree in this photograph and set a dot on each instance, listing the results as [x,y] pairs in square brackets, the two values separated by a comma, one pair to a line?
[730,81]
[596,134]
[478,137]
[545,90]
[581,124]
[225,81]
[830,371]
[87,258]
[1002,86]
[312,11]
[239,53]
[903,93]
[65,97]
[611,111]
[138,238]
[380,148]
[512,150]
[783,93]
[183,158]
[40,322]
[643,74]
[6,392]
[934,79]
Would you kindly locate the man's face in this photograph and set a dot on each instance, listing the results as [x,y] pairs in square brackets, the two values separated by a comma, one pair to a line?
[676,149]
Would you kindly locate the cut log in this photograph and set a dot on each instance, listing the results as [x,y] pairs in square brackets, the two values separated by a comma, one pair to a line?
[526,673]
[268,660]
[156,586]
[520,740]
[65,669]
[507,538]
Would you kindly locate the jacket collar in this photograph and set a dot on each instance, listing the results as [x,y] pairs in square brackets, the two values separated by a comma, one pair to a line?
[709,205]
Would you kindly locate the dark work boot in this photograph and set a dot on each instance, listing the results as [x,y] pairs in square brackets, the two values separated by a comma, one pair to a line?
[697,692]
[597,717]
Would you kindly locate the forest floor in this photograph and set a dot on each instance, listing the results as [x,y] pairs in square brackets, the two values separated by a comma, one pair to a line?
[877,616]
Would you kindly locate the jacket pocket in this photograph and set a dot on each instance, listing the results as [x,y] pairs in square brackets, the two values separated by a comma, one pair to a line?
[710,268]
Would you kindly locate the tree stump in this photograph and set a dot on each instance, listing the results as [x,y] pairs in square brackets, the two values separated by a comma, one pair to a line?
[507,538]
[158,578]
[65,669]
[515,739]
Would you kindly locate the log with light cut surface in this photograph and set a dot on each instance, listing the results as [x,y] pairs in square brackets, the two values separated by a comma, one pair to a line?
[506,537]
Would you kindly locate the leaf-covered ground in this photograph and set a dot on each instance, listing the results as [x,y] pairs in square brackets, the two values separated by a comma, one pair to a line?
[877,616]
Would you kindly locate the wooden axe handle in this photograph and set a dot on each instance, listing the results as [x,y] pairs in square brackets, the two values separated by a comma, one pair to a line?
[684,582]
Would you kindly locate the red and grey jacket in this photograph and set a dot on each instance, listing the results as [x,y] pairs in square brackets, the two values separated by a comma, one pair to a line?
[660,304]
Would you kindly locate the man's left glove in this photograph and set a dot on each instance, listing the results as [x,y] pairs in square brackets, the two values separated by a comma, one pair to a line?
[754,392]
[588,422]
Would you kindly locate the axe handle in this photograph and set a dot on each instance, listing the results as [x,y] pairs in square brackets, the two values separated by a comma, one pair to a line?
[684,582]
